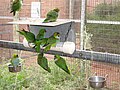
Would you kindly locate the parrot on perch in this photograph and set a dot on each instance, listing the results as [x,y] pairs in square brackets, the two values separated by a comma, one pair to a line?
[52,41]
[30,37]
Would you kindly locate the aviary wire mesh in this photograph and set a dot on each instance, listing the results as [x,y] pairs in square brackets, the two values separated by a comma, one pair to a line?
[99,36]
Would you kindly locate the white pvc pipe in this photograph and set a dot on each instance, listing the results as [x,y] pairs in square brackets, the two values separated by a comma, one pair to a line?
[66,47]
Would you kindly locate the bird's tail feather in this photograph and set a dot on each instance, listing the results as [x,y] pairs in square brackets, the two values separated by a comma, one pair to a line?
[46,20]
[13,13]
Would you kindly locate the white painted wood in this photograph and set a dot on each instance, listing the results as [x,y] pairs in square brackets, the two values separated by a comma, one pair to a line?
[73,20]
[32,21]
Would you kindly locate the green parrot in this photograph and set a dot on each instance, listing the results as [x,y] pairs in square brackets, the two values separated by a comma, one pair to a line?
[30,37]
[39,39]
[52,41]
[52,16]
[42,61]
[39,43]
[16,6]
[60,62]
[41,34]
[15,60]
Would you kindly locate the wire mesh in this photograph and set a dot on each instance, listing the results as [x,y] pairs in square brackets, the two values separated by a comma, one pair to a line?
[104,37]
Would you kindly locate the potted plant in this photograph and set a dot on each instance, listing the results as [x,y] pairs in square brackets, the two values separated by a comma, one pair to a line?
[40,41]
[15,65]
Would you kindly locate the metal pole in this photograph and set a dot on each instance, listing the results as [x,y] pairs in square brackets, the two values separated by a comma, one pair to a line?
[83,12]
[15,29]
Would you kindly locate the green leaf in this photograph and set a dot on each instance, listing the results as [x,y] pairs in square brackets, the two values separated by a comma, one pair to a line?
[43,62]
[61,63]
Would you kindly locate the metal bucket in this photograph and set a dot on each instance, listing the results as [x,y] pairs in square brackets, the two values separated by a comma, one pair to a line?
[97,81]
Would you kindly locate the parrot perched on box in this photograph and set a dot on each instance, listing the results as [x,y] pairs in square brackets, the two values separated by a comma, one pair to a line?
[52,16]
[52,41]
[60,62]
[16,6]
[42,61]
[15,60]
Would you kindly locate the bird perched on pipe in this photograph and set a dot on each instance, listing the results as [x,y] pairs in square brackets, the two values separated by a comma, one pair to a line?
[34,41]
[52,15]
[52,41]
[30,37]
[16,6]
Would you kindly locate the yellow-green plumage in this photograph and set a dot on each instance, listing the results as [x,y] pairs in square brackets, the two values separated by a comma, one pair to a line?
[30,37]
[41,34]
[51,16]
[42,61]
[61,63]
[16,6]
[52,41]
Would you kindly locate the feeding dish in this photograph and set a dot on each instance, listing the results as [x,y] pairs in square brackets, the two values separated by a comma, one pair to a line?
[97,81]
[14,69]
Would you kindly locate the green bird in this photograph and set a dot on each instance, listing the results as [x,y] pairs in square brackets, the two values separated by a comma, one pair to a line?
[37,41]
[16,6]
[52,16]
[42,61]
[41,34]
[40,39]
[61,63]
[40,43]
[30,37]
[52,41]
[15,60]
